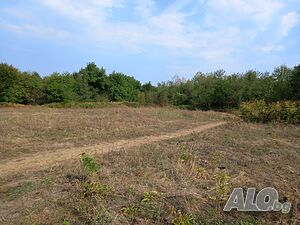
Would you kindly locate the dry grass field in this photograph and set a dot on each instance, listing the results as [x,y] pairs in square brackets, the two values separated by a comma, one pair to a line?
[151,166]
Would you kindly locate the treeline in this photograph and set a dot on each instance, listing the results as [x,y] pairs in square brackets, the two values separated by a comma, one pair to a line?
[216,90]
[89,84]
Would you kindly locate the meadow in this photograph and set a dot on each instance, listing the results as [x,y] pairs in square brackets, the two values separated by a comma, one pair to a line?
[145,165]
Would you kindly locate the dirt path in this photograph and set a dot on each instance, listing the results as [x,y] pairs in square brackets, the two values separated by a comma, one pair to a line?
[44,160]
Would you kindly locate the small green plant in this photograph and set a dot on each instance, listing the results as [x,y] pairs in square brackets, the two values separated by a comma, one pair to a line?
[184,154]
[151,196]
[92,189]
[66,223]
[130,212]
[183,218]
[202,172]
[222,187]
[221,190]
[89,164]
[216,158]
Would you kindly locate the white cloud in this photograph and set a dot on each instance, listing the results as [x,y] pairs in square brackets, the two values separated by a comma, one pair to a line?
[288,22]
[16,12]
[75,9]
[144,8]
[166,29]
[268,48]
[40,31]
[177,5]
[234,11]
[170,29]
[107,3]
[224,30]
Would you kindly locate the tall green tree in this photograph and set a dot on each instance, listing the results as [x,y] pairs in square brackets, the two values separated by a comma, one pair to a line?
[295,83]
[123,88]
[59,88]
[281,85]
[9,79]
[205,86]
[91,82]
[31,86]
[150,93]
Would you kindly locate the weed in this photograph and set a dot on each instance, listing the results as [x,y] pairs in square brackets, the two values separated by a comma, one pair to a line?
[184,154]
[66,223]
[216,159]
[183,218]
[151,196]
[89,164]
[94,189]
[130,212]
[222,187]
[202,172]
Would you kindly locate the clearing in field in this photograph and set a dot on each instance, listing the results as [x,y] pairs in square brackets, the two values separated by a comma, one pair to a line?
[122,165]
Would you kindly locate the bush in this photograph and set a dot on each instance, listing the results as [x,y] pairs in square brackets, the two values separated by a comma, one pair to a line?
[260,111]
[89,163]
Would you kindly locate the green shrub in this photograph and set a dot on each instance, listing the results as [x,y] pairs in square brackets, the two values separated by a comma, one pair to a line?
[260,111]
[89,164]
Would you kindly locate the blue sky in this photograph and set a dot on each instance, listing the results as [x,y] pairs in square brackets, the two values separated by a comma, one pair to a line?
[150,40]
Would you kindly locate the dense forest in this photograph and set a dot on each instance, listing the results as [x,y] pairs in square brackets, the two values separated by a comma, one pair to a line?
[215,90]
